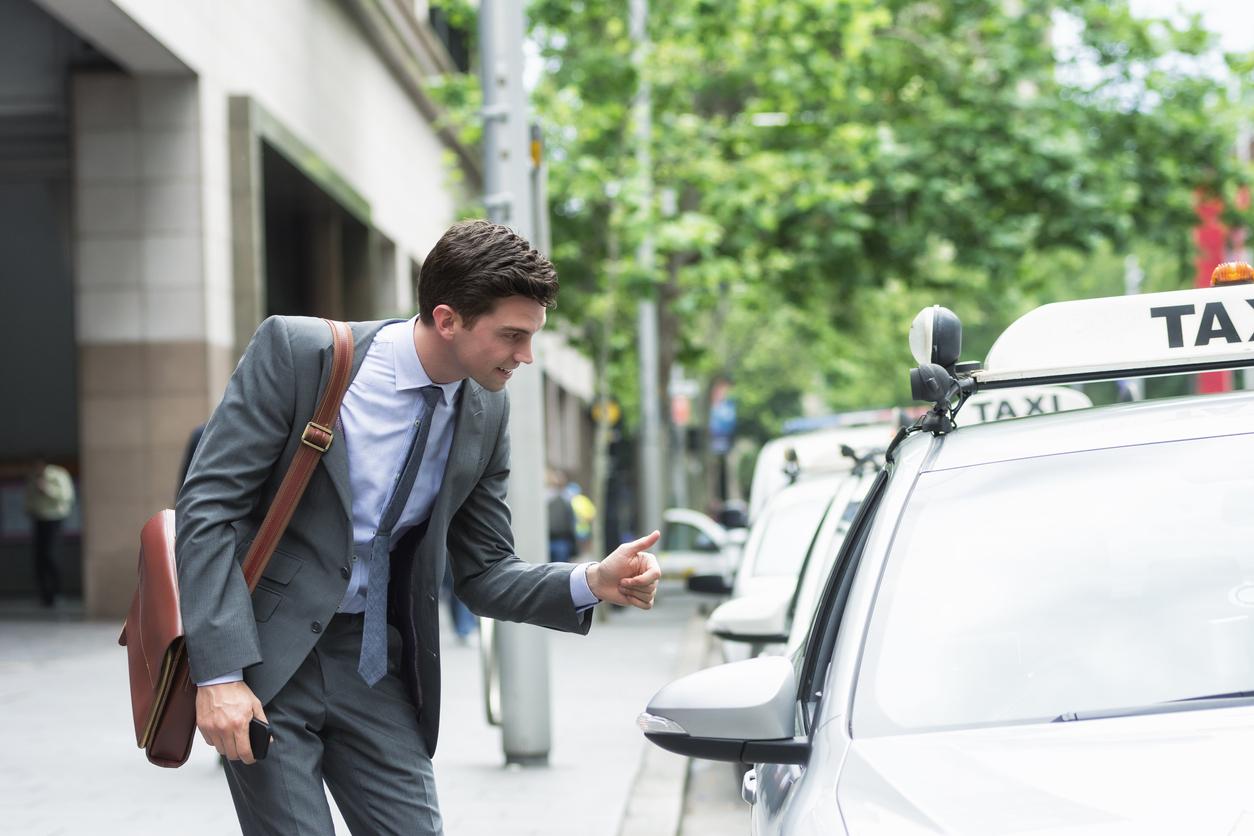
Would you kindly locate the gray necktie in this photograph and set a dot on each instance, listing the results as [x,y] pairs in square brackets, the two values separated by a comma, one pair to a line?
[373,662]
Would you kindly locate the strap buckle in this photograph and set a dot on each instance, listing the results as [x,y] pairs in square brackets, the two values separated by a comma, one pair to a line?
[314,436]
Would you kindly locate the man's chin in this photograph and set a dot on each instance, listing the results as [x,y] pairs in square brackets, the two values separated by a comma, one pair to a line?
[493,381]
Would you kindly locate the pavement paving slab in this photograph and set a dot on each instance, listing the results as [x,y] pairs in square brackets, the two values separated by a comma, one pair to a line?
[70,765]
[712,805]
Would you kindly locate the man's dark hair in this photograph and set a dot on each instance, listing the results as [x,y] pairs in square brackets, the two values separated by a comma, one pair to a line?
[477,263]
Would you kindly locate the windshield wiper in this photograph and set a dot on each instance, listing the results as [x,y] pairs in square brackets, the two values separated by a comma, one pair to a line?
[1168,707]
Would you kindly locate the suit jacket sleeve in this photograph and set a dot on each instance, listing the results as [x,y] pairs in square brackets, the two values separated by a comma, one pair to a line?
[487,576]
[241,445]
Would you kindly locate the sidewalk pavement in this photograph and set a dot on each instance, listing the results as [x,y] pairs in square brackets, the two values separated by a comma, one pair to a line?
[70,765]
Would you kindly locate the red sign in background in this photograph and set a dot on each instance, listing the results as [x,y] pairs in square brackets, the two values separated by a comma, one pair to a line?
[1216,243]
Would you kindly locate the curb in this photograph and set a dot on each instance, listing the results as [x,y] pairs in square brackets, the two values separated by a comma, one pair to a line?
[655,802]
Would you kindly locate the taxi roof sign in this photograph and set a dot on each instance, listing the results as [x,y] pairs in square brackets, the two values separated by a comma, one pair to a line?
[1176,332]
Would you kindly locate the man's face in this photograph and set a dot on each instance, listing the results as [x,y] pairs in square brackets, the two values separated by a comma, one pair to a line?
[498,342]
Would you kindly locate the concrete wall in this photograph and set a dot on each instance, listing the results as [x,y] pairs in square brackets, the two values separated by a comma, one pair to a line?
[150,304]
[156,273]
[309,65]
[167,238]
[568,395]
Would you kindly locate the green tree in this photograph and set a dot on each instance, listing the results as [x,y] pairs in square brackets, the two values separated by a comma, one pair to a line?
[837,164]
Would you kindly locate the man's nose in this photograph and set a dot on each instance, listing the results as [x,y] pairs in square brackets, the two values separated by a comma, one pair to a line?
[524,355]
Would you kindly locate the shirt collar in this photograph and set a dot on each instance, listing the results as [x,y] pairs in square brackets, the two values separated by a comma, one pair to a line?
[408,369]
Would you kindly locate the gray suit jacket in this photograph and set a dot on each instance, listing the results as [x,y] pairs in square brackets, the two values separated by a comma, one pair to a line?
[246,449]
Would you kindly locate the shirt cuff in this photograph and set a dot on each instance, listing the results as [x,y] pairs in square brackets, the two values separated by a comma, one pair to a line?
[233,676]
[580,592]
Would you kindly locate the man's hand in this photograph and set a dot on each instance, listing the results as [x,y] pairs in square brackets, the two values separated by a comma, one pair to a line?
[222,715]
[629,575]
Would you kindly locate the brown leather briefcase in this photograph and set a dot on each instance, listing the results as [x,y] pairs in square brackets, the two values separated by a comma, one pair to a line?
[163,697]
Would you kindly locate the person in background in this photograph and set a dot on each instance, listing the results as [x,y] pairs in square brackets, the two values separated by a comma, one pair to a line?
[585,515]
[561,521]
[49,500]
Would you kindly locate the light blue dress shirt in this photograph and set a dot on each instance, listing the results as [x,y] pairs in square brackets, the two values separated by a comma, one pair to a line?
[376,423]
[376,420]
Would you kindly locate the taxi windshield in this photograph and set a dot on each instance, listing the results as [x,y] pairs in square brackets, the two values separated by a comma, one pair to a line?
[785,534]
[1026,590]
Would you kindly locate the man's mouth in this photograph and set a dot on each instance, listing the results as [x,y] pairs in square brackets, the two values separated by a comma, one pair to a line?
[506,372]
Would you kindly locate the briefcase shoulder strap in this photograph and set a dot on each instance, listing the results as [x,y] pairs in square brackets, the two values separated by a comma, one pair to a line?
[316,439]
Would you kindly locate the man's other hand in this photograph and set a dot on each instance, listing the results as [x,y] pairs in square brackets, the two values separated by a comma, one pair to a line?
[223,713]
[629,575]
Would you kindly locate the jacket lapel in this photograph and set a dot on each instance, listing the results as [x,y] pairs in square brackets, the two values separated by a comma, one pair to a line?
[463,457]
[335,459]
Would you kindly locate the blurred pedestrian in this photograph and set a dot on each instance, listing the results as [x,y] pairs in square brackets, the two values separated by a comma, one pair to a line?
[561,520]
[49,501]
[585,515]
[338,646]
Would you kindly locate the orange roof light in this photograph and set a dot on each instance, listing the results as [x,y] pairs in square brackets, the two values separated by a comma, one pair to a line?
[1232,272]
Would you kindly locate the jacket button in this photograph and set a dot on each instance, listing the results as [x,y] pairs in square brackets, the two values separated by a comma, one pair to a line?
[344,573]
[316,627]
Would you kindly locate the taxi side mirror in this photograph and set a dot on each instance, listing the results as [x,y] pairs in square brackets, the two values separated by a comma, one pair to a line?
[754,619]
[743,711]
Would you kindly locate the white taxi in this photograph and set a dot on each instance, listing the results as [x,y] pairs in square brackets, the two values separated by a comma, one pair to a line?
[1043,624]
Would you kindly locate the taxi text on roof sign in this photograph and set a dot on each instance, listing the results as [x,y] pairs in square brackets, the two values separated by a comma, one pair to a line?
[1125,336]
[983,407]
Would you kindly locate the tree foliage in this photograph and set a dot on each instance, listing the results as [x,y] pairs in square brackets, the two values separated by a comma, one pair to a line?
[824,168]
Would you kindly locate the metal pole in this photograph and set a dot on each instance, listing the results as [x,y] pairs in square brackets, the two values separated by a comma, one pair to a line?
[542,238]
[601,456]
[651,484]
[522,649]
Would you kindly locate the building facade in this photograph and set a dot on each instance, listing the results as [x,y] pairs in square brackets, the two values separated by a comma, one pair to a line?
[170,174]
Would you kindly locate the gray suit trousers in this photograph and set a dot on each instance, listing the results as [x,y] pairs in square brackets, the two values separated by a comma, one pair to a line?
[329,725]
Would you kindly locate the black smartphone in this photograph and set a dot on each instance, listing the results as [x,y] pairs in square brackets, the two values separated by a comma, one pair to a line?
[259,737]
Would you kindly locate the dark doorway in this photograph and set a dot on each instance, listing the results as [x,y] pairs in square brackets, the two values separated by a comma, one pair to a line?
[317,254]
[38,348]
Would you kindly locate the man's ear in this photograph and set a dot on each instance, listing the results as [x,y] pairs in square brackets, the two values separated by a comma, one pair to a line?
[447,320]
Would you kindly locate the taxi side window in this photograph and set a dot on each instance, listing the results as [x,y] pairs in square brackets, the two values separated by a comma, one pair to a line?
[821,640]
[682,537]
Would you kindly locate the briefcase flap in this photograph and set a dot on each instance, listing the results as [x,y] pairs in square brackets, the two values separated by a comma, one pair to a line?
[153,631]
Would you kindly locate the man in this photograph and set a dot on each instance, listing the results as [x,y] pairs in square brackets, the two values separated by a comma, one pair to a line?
[49,501]
[338,648]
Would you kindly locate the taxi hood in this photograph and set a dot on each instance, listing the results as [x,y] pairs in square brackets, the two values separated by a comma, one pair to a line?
[1185,772]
